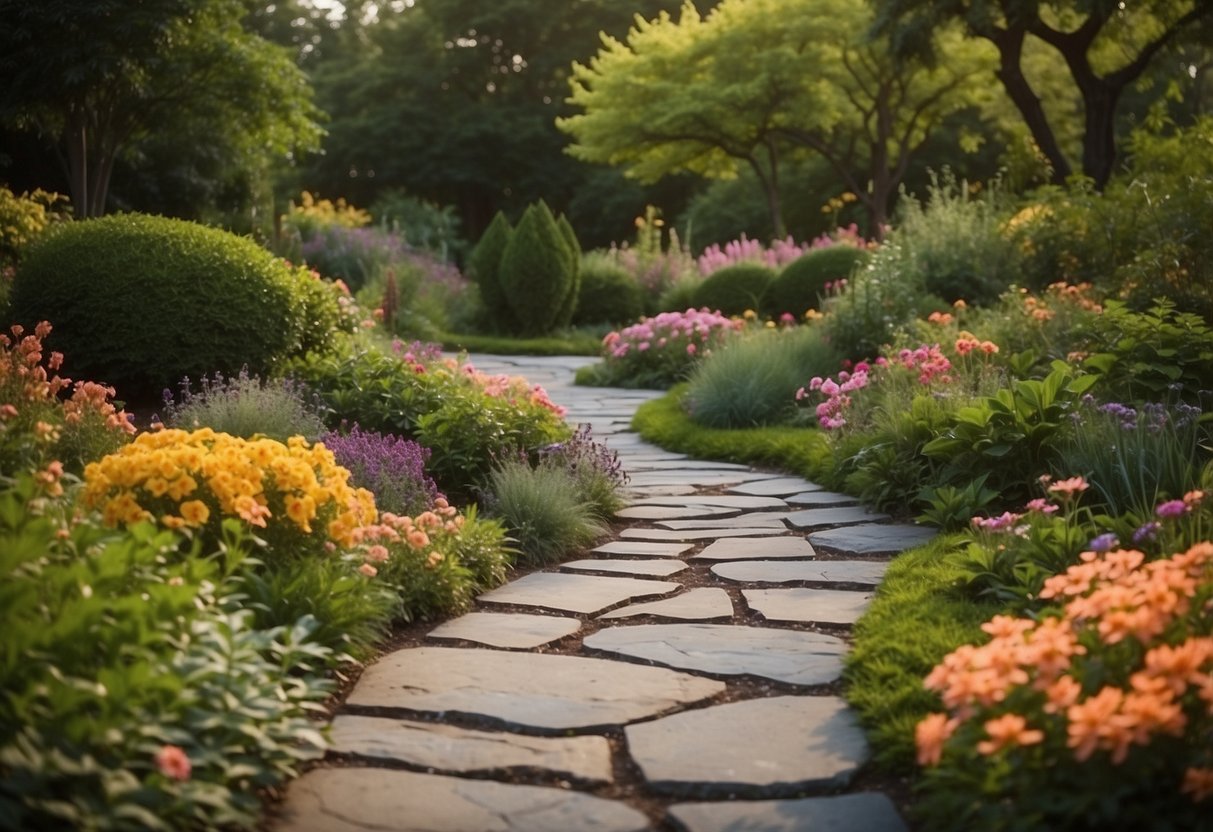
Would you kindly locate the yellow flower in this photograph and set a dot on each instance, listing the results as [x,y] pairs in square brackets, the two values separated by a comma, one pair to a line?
[181,487]
[170,521]
[195,512]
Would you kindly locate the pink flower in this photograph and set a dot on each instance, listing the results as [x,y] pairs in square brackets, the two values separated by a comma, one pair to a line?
[1041,505]
[368,570]
[1172,508]
[173,762]
[1065,488]
[377,553]
[691,349]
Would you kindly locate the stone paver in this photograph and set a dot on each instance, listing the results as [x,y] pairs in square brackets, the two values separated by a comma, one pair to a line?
[816,518]
[642,548]
[819,499]
[516,630]
[793,656]
[763,519]
[587,594]
[703,479]
[863,812]
[865,572]
[641,512]
[701,604]
[697,534]
[874,538]
[808,606]
[653,568]
[449,748]
[775,487]
[746,548]
[739,501]
[536,690]
[363,799]
[706,752]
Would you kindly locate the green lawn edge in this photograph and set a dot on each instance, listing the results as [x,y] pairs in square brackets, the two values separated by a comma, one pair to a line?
[919,614]
[572,343]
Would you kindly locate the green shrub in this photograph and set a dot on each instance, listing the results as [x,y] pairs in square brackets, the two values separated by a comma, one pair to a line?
[535,272]
[484,267]
[245,406]
[140,301]
[594,469]
[565,315]
[752,381]
[802,283]
[424,224]
[679,293]
[23,218]
[543,510]
[608,294]
[734,289]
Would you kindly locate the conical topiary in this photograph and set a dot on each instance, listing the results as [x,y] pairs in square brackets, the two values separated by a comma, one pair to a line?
[534,272]
[484,268]
[565,315]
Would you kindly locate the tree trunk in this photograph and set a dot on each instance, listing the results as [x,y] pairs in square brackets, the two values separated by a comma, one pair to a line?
[1099,135]
[770,187]
[75,136]
[1010,73]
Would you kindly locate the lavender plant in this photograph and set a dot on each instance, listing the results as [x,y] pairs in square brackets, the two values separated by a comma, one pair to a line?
[594,469]
[390,467]
[245,405]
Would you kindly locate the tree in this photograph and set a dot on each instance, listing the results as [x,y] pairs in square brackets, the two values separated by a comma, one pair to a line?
[96,77]
[1106,44]
[758,80]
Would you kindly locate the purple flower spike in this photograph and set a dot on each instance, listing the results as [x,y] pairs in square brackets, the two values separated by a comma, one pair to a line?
[1147,532]
[1104,543]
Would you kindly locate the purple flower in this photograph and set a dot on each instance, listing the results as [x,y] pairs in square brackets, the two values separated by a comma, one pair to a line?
[1172,508]
[1104,543]
[1147,532]
[390,467]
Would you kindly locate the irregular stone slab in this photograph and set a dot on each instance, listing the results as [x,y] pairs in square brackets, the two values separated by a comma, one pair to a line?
[685,464]
[698,534]
[864,812]
[536,690]
[703,479]
[449,748]
[773,519]
[675,512]
[864,572]
[635,547]
[819,499]
[808,606]
[362,799]
[874,538]
[794,743]
[654,568]
[739,501]
[749,549]
[660,490]
[776,487]
[699,604]
[813,518]
[793,656]
[574,593]
[517,630]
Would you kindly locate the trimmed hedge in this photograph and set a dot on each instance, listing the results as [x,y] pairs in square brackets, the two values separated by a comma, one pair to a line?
[609,295]
[801,284]
[734,289]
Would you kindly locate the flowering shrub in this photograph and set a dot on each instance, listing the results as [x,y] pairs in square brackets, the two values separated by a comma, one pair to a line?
[391,468]
[831,412]
[296,494]
[778,254]
[661,350]
[1094,715]
[37,424]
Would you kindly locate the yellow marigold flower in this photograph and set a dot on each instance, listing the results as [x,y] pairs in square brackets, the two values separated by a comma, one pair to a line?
[171,521]
[182,487]
[156,486]
[301,510]
[195,512]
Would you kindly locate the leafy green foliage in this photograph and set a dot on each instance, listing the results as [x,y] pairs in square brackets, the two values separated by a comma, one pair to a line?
[950,508]
[608,294]
[484,267]
[735,289]
[752,380]
[802,283]
[545,512]
[140,302]
[536,272]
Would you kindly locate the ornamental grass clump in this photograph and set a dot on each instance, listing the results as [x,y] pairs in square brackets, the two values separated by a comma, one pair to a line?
[662,350]
[296,495]
[595,470]
[247,406]
[1094,715]
[391,468]
[545,513]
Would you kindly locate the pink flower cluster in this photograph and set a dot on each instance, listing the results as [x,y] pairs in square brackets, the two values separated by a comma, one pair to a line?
[930,363]
[691,332]
[746,250]
[830,413]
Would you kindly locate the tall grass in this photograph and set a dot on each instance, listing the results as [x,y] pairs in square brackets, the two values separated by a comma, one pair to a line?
[543,510]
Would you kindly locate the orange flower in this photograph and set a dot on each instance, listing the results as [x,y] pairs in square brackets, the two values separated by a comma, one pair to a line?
[930,735]
[1061,694]
[1094,724]
[1074,485]
[368,570]
[1198,782]
[1008,730]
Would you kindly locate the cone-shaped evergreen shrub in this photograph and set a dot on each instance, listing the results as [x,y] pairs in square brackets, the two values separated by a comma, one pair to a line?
[734,289]
[801,284]
[565,316]
[139,301]
[535,273]
[484,266]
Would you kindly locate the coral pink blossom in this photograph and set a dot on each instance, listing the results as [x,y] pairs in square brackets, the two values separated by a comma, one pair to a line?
[173,762]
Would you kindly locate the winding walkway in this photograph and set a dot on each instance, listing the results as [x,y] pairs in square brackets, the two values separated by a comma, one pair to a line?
[684,676]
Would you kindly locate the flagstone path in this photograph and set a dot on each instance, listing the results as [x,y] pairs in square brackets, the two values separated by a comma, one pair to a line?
[683,676]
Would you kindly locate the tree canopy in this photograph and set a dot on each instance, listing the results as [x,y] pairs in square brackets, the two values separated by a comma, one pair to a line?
[97,77]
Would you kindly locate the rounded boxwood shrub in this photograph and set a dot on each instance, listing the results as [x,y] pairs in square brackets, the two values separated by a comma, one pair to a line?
[609,294]
[535,271]
[140,301]
[484,265]
[734,289]
[801,284]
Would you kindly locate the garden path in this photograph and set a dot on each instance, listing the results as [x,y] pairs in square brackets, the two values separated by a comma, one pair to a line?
[683,676]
